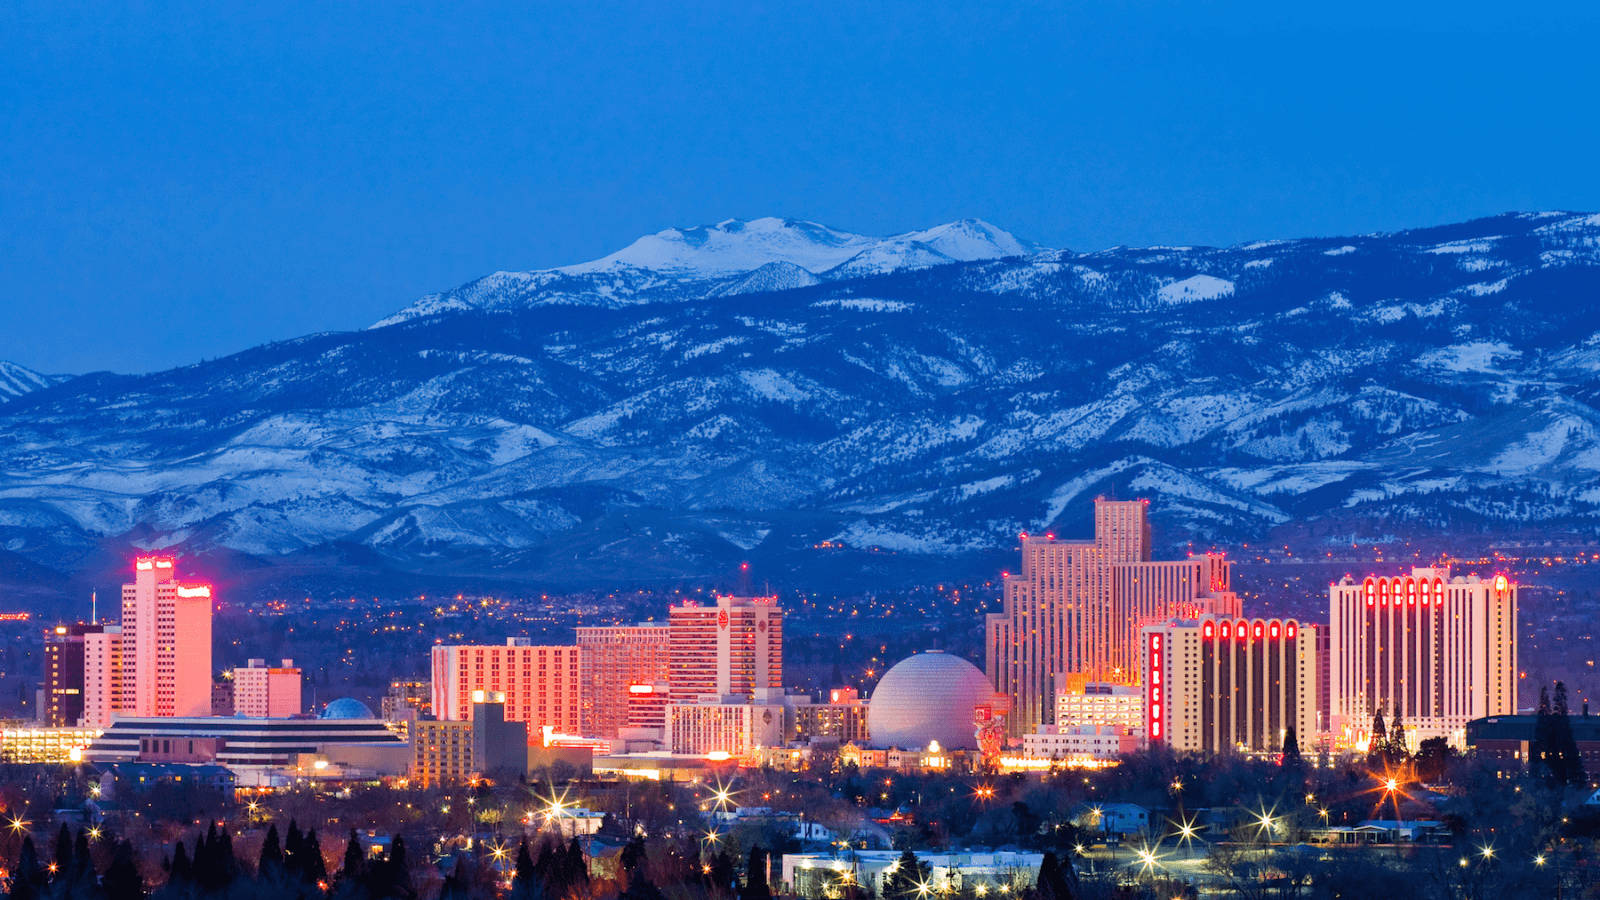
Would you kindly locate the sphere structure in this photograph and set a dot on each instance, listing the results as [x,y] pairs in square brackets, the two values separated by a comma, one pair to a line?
[346,708]
[928,697]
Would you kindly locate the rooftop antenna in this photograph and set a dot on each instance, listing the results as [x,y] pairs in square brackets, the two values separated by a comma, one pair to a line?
[94,608]
[744,579]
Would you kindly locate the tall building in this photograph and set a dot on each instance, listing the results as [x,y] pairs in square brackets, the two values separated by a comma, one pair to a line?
[732,724]
[1215,684]
[1074,610]
[540,683]
[1440,649]
[611,658]
[263,690]
[102,676]
[732,647]
[407,699]
[166,643]
[64,674]
[456,751]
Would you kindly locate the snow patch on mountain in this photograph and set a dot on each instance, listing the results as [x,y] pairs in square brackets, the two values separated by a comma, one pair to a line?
[1194,288]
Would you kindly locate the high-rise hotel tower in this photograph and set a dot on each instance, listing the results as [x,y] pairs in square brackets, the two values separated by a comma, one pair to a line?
[1075,609]
[1439,649]
[158,663]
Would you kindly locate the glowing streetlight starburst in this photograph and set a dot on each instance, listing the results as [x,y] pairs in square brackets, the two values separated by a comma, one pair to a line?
[1186,830]
[18,824]
[1148,858]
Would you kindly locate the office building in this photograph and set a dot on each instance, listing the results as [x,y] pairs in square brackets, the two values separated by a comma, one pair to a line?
[734,646]
[1439,649]
[540,683]
[64,675]
[1074,610]
[263,690]
[166,643]
[1215,685]
[611,658]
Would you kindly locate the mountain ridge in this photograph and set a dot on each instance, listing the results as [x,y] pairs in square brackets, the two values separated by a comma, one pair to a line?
[894,424]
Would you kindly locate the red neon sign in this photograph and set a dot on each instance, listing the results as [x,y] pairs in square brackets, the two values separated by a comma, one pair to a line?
[1153,690]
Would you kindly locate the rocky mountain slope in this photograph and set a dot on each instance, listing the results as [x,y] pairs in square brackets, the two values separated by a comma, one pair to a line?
[821,403]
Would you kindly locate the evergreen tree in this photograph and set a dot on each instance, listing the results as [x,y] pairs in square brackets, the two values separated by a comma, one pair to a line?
[313,869]
[122,880]
[1541,750]
[523,878]
[1398,752]
[64,861]
[27,877]
[755,876]
[1378,746]
[181,872]
[577,867]
[904,881]
[1291,751]
[271,863]
[1569,763]
[723,879]
[1054,882]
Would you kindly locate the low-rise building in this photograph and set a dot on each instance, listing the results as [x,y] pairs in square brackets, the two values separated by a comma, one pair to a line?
[1061,742]
[1504,742]
[998,873]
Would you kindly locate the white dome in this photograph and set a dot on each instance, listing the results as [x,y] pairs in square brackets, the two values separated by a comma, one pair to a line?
[927,697]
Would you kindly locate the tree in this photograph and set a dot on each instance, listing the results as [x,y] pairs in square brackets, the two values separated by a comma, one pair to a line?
[523,879]
[1568,762]
[1291,751]
[903,881]
[271,863]
[1397,752]
[1378,746]
[755,876]
[27,881]
[122,880]
[1053,882]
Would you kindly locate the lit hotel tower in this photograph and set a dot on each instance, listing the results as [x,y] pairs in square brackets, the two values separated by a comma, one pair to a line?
[1441,649]
[166,643]
[734,647]
[1075,610]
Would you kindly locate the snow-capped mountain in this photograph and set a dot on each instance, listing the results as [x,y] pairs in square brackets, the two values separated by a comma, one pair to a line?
[1406,384]
[730,257]
[16,380]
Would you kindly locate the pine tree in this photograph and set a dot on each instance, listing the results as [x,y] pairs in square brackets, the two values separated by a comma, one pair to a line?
[181,872]
[27,879]
[904,881]
[1378,746]
[1291,750]
[122,880]
[313,869]
[755,876]
[271,863]
[577,867]
[1053,882]
[1541,750]
[523,878]
[1398,753]
[1569,762]
[64,862]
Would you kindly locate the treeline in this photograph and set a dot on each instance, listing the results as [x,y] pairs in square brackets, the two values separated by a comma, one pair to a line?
[291,867]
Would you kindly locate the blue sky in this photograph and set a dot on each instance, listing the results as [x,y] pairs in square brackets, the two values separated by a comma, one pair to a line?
[179,181]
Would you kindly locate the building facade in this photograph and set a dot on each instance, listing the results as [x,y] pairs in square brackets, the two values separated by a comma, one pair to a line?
[102,676]
[611,658]
[541,683]
[734,646]
[166,643]
[842,718]
[1101,703]
[1439,649]
[1217,685]
[729,723]
[1065,742]
[263,690]
[1074,610]
[64,675]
